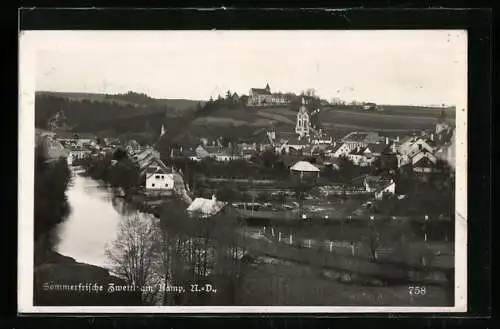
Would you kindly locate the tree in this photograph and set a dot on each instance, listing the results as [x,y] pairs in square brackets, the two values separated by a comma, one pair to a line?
[135,253]
[120,154]
[310,92]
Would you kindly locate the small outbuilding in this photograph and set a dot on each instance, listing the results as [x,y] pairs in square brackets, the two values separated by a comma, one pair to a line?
[305,169]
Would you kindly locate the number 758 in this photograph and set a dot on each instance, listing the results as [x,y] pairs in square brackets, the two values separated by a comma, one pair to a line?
[416,290]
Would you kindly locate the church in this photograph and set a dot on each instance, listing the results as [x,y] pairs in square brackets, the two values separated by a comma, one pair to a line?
[305,134]
[263,97]
[303,123]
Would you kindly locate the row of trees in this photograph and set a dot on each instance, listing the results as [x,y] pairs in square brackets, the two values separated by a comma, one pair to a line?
[113,168]
[51,206]
[180,251]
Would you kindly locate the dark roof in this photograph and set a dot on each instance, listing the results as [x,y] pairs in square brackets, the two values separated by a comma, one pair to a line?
[260,91]
[358,137]
[335,147]
[146,169]
[294,140]
[69,134]
[357,151]
[213,149]
[377,182]
[366,137]
[188,152]
[423,162]
[376,148]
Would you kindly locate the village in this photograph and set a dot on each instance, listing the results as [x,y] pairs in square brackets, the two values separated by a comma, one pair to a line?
[279,176]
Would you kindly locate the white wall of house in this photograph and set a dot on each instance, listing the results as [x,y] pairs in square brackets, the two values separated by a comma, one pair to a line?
[391,189]
[357,159]
[342,150]
[160,181]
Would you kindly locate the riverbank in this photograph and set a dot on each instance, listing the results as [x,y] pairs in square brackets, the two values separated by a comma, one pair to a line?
[62,281]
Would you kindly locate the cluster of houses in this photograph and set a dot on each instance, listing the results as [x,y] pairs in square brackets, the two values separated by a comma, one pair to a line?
[80,146]
[363,149]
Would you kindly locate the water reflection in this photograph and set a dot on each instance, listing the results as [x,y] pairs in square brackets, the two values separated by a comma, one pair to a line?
[93,223]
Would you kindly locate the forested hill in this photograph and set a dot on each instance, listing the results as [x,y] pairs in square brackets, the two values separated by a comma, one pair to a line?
[116,114]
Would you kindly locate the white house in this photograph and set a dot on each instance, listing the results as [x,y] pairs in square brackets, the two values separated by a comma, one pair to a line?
[375,149]
[360,139]
[357,156]
[337,150]
[387,188]
[414,145]
[379,186]
[158,176]
[423,162]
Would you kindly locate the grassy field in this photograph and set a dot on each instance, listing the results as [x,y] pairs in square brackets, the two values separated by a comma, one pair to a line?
[393,121]
[279,283]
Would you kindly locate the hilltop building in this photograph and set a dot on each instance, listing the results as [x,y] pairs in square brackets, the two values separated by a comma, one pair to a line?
[262,97]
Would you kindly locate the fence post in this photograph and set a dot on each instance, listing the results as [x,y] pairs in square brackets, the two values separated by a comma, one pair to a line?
[272,231]
[331,246]
[279,236]
[290,239]
[352,249]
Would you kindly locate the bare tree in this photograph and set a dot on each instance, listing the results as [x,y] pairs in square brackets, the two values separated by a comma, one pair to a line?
[135,254]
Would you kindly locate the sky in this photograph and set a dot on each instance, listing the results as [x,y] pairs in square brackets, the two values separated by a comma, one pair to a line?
[386,67]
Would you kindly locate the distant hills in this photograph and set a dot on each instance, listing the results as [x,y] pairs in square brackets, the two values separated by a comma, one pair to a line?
[130,98]
[108,114]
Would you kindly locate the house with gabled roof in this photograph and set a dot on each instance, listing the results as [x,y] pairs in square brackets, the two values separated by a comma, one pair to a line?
[379,186]
[158,176]
[338,149]
[190,154]
[423,162]
[360,139]
[375,149]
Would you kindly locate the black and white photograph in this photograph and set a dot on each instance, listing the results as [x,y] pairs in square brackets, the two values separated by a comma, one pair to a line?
[243,171]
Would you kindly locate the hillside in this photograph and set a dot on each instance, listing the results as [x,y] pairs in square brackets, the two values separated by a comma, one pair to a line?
[338,121]
[133,99]
[108,114]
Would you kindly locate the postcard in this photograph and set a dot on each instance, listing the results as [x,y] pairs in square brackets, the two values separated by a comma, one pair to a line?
[295,171]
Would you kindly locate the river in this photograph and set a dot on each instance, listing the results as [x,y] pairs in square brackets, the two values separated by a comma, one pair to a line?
[93,222]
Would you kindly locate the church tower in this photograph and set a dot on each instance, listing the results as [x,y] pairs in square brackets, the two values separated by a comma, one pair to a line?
[302,125]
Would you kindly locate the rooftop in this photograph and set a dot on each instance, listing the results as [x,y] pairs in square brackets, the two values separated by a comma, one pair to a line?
[376,147]
[304,166]
[364,137]
[206,207]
